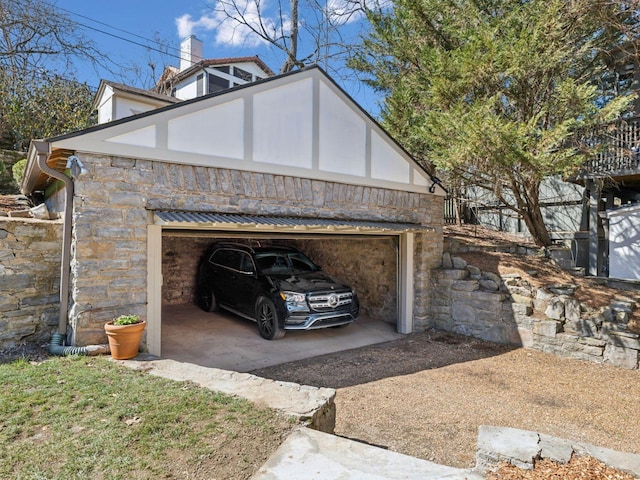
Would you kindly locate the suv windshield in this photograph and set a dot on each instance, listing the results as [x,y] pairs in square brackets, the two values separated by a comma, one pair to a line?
[284,262]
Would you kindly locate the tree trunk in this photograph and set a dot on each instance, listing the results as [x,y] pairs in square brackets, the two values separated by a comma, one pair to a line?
[526,191]
[535,224]
[292,52]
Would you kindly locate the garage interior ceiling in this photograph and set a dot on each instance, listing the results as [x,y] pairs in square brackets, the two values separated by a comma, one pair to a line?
[259,223]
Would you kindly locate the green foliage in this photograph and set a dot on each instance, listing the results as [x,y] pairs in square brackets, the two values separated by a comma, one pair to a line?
[126,320]
[496,91]
[86,417]
[3,169]
[8,159]
[37,110]
[18,170]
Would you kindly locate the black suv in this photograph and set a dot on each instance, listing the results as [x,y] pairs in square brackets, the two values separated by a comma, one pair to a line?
[276,286]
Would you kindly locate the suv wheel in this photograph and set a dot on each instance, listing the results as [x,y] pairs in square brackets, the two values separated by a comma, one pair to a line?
[267,318]
[208,301]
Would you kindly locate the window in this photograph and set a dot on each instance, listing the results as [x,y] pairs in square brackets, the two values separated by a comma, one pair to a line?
[270,263]
[227,258]
[241,74]
[301,262]
[200,85]
[246,264]
[223,69]
[216,83]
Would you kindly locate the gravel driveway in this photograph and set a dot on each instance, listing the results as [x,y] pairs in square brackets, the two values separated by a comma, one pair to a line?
[426,394]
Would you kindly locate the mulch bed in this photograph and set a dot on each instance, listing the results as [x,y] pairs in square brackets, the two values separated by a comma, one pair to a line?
[578,468]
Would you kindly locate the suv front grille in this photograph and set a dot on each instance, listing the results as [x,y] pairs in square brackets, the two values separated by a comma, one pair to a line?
[329,300]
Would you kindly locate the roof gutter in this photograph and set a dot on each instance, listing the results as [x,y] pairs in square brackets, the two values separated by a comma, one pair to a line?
[43,152]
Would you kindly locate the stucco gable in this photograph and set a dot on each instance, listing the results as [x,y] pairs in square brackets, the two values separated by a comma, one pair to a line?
[300,124]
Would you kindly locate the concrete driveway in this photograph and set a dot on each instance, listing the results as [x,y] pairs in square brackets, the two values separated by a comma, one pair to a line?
[226,341]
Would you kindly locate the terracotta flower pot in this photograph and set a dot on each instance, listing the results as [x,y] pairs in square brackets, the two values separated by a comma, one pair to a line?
[124,340]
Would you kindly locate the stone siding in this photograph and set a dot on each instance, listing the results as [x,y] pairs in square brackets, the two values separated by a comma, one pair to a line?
[30,252]
[180,258]
[369,266]
[427,258]
[508,309]
[114,203]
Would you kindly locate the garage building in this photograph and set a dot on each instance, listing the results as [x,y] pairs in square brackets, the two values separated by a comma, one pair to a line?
[291,159]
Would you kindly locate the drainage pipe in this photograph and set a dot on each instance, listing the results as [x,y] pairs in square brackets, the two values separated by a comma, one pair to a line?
[42,149]
[56,347]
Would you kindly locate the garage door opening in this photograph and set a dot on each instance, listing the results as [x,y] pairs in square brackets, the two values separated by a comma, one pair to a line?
[367,264]
[228,341]
[378,266]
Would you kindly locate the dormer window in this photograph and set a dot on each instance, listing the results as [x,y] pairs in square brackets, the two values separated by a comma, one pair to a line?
[241,74]
[216,83]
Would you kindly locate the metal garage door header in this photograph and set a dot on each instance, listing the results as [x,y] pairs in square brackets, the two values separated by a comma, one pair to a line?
[226,221]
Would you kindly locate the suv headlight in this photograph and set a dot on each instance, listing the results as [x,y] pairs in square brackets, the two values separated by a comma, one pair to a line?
[293,297]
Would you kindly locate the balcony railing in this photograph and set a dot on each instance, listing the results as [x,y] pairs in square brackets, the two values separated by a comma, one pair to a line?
[618,149]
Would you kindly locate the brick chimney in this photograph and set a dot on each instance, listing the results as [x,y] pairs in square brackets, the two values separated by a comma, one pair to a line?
[190,52]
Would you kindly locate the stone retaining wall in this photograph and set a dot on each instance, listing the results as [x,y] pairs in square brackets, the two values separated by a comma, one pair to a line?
[524,448]
[508,309]
[30,253]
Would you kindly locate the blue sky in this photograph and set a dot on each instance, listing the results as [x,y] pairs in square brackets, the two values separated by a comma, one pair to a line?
[170,20]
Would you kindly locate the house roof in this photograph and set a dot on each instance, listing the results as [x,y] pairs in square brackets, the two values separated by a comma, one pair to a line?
[320,133]
[126,89]
[172,74]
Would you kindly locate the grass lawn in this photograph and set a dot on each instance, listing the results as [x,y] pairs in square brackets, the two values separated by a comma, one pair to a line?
[87,417]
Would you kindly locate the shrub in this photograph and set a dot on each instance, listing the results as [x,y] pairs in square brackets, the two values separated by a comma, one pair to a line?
[18,170]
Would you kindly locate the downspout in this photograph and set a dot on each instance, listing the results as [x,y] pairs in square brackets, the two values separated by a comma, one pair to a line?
[42,149]
[58,339]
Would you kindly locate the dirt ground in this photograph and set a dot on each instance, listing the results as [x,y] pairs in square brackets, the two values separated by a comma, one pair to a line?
[13,202]
[426,394]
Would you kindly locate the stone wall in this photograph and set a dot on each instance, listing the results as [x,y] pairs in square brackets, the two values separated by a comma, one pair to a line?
[180,258]
[369,266]
[508,309]
[427,258]
[115,200]
[30,252]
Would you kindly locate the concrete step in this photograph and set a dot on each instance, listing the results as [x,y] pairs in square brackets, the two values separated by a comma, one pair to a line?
[311,455]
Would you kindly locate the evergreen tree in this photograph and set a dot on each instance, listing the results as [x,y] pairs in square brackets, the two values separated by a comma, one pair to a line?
[496,92]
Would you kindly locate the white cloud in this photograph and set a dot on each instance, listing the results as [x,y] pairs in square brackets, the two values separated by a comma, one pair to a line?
[341,12]
[234,23]
[186,24]
[237,20]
